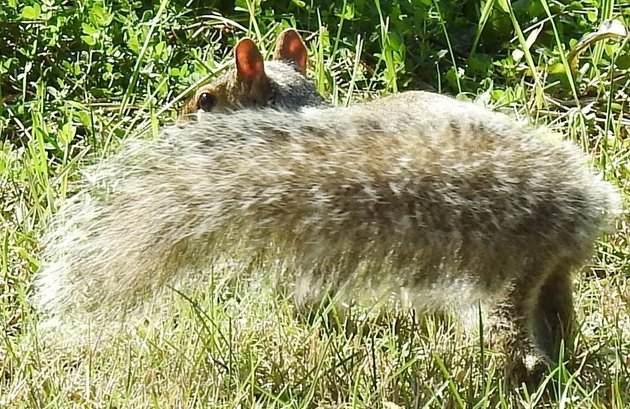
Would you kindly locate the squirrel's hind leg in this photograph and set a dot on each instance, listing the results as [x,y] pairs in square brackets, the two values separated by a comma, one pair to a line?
[516,322]
[554,312]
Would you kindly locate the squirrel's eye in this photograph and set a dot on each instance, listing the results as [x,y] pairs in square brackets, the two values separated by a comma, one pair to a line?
[206,101]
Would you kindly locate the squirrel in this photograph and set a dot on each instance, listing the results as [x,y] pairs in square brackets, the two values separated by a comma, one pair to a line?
[280,83]
[416,193]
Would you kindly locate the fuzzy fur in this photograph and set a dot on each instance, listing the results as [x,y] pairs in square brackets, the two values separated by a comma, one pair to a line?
[418,192]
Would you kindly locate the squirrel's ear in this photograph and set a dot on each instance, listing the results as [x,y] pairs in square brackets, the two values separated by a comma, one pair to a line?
[250,67]
[290,47]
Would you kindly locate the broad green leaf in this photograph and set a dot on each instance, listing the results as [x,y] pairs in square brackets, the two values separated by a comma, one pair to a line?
[88,29]
[89,40]
[31,12]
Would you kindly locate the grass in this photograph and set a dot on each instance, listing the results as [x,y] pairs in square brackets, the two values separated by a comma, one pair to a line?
[237,343]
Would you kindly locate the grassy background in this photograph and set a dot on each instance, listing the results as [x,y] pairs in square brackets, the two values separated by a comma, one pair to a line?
[77,78]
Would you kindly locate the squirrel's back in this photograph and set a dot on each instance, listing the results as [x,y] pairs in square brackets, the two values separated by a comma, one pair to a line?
[431,189]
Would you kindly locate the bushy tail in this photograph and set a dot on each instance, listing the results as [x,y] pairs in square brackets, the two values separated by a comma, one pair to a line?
[453,191]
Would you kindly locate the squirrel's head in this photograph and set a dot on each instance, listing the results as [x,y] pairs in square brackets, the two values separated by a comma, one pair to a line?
[248,85]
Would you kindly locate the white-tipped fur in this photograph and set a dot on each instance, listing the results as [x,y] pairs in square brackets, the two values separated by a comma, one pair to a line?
[420,192]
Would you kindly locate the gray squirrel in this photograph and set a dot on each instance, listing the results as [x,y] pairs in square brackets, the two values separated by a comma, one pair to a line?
[416,193]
